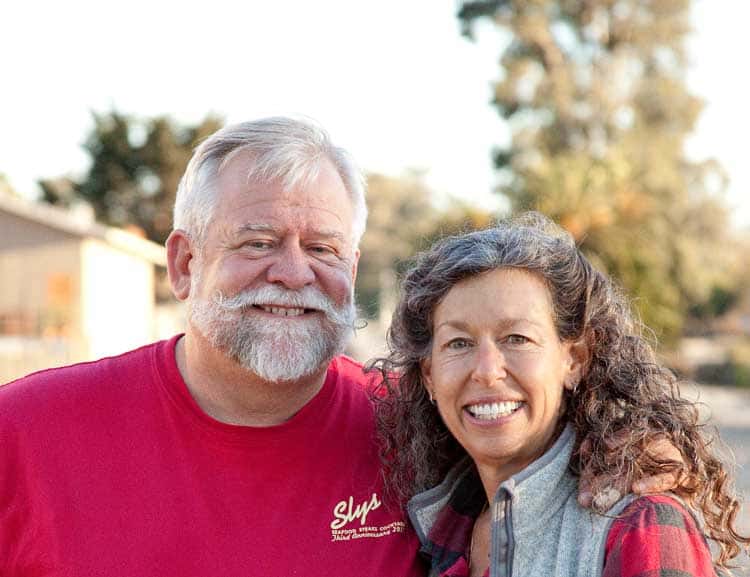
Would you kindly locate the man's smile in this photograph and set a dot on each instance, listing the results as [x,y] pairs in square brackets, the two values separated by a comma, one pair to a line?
[283,311]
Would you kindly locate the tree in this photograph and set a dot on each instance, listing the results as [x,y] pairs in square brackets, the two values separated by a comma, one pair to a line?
[402,221]
[400,217]
[136,165]
[458,218]
[5,187]
[594,96]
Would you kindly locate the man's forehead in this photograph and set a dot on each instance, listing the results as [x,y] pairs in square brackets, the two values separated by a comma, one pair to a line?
[322,208]
[323,190]
[244,167]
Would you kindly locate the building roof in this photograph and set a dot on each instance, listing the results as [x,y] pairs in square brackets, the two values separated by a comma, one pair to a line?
[82,224]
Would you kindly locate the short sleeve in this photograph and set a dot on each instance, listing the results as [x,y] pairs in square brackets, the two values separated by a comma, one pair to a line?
[656,536]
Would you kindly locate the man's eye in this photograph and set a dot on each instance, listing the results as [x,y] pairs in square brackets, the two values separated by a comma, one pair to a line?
[322,250]
[258,244]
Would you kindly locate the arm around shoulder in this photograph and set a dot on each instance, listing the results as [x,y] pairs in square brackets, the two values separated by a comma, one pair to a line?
[654,536]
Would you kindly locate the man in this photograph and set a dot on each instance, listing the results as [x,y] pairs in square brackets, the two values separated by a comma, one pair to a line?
[246,446]
[243,447]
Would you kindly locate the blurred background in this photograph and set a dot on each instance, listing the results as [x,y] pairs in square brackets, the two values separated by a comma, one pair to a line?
[624,120]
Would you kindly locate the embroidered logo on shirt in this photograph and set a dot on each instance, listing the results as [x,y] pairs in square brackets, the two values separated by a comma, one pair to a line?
[347,513]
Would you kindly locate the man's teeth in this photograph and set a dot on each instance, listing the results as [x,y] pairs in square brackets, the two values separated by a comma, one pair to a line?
[283,311]
[489,411]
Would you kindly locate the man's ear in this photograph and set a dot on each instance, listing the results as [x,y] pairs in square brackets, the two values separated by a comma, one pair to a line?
[179,255]
[355,265]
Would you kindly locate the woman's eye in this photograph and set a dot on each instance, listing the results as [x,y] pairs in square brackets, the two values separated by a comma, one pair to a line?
[517,339]
[457,344]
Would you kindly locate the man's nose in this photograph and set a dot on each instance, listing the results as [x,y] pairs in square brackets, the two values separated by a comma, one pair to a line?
[291,268]
[489,364]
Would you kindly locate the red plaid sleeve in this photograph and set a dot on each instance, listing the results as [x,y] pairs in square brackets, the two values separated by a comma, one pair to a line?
[656,537]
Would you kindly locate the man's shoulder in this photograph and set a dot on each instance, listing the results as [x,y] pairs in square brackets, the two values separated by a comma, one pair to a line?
[345,363]
[87,369]
[353,372]
[68,383]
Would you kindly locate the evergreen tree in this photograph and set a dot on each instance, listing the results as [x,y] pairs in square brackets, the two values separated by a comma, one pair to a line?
[593,92]
[400,215]
[402,221]
[136,165]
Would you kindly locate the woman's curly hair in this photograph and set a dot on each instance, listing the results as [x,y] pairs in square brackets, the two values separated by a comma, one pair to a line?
[625,400]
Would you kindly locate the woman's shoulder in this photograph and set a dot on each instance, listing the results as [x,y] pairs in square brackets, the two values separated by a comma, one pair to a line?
[656,510]
[655,533]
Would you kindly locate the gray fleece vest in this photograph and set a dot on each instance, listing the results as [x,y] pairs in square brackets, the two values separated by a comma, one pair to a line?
[538,527]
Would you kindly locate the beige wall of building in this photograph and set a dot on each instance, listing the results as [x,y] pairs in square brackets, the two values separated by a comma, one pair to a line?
[40,268]
[117,297]
[71,290]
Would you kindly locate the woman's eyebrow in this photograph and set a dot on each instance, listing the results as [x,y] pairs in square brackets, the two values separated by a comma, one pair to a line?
[502,323]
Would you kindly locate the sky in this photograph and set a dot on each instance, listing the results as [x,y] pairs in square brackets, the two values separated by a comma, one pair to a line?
[392,80]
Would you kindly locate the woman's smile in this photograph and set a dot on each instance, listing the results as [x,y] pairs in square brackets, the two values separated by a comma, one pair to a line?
[497,368]
[491,412]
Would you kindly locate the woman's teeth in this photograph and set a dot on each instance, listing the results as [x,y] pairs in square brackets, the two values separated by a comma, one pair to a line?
[490,411]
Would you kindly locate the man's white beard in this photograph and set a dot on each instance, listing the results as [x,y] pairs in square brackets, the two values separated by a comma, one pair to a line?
[275,348]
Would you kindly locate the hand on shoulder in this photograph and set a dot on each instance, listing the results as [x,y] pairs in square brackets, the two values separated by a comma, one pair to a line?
[653,534]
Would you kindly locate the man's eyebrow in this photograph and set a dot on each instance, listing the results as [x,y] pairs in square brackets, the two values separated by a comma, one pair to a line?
[328,233]
[255,227]
[315,233]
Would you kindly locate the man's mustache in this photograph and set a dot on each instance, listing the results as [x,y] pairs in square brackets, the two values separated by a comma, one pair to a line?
[305,298]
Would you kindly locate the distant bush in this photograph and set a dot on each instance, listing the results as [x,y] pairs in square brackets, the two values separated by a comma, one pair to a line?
[734,371]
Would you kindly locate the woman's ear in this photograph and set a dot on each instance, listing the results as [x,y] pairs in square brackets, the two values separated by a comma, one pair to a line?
[578,359]
[426,366]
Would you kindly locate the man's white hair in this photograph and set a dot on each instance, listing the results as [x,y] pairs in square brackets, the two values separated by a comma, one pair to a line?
[283,149]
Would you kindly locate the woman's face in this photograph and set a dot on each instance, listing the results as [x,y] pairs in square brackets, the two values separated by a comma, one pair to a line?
[497,368]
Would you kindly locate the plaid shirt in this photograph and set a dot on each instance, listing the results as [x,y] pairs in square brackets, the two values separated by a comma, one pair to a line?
[654,537]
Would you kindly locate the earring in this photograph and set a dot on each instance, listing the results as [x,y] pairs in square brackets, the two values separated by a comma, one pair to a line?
[432,400]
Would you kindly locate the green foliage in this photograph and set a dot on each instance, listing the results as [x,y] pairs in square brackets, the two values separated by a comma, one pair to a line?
[457,218]
[719,302]
[400,216]
[402,221]
[136,165]
[735,371]
[594,96]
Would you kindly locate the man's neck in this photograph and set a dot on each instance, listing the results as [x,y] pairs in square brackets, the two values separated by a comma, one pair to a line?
[233,395]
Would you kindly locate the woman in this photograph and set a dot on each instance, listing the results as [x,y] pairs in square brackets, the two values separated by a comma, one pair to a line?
[519,364]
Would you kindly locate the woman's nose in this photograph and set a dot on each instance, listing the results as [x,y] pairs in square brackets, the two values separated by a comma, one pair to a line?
[489,364]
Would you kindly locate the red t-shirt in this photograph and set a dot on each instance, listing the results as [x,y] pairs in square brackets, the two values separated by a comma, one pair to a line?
[110,468]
